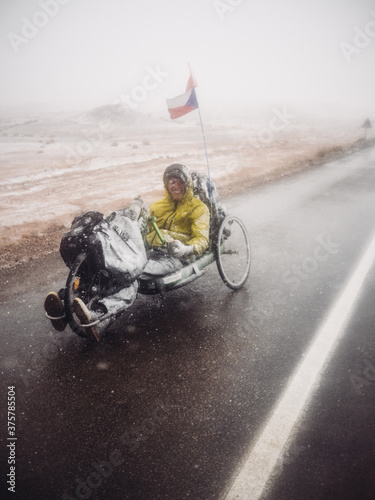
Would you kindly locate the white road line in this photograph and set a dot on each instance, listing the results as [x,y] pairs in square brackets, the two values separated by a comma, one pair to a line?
[250,482]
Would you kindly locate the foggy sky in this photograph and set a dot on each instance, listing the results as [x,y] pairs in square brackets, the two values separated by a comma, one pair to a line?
[83,53]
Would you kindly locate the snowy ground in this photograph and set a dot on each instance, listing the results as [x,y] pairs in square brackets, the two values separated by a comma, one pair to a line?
[56,166]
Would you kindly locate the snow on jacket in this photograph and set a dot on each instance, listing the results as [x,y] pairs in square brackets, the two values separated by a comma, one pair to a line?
[187,221]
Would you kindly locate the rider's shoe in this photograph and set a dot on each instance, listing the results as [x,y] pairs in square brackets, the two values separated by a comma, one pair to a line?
[86,316]
[54,308]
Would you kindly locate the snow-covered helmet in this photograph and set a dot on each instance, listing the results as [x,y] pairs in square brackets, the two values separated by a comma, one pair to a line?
[177,170]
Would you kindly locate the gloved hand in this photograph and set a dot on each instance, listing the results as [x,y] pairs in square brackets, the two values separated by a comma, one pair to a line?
[179,250]
[135,209]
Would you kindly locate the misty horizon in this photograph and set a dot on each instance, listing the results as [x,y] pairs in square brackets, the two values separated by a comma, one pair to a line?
[80,55]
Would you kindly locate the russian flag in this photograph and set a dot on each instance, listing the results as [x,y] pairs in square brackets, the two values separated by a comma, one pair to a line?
[183,104]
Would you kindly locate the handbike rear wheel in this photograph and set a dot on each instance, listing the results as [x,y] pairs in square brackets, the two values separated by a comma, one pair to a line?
[233,256]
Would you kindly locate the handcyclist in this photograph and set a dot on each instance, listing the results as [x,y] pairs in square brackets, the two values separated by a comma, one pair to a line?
[183,221]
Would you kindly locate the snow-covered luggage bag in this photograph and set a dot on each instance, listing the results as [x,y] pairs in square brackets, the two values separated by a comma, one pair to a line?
[119,247]
[76,240]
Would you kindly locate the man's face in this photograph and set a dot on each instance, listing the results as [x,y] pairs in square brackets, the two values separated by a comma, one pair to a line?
[176,188]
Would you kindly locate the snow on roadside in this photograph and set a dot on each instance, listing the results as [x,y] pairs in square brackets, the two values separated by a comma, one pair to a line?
[40,192]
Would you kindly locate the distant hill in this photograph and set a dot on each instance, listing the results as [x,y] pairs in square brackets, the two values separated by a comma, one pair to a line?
[71,123]
[118,113]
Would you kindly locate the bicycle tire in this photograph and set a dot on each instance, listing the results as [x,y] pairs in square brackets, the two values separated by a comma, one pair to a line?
[233,253]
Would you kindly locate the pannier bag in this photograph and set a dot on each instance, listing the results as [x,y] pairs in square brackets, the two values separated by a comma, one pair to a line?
[76,240]
[201,185]
[119,248]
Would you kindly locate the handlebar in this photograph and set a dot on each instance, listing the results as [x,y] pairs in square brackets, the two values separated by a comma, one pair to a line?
[157,230]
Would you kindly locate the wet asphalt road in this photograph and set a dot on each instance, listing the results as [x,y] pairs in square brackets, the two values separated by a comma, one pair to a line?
[166,406]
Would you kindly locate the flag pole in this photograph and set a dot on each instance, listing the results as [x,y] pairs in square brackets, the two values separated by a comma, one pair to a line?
[205,148]
[204,141]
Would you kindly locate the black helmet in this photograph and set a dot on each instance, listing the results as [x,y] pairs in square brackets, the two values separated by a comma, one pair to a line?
[177,170]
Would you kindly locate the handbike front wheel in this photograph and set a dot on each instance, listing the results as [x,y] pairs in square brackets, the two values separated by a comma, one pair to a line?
[85,282]
[233,256]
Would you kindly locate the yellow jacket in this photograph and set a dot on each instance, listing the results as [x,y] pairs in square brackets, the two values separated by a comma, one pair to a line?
[187,221]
